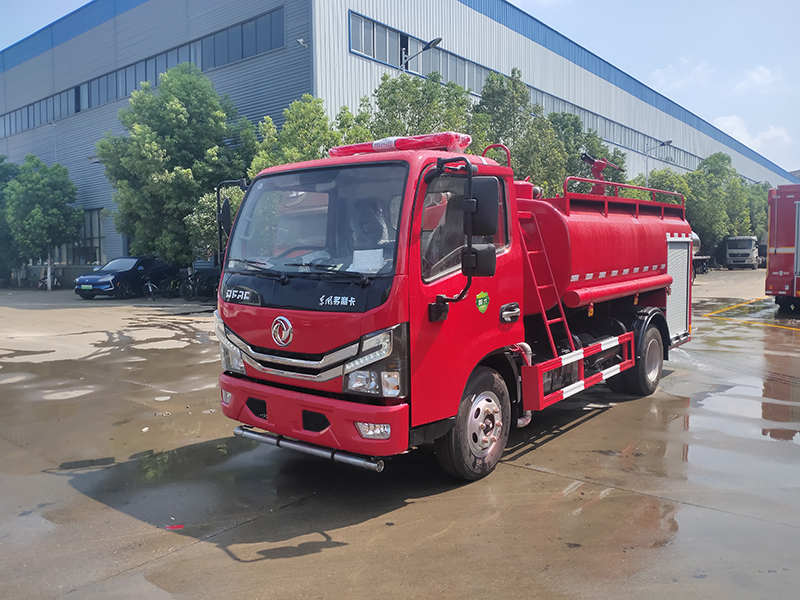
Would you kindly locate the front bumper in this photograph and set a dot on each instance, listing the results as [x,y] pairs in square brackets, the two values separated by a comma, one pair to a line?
[301,416]
[96,288]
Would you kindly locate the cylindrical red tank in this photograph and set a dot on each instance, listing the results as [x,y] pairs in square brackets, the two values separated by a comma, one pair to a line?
[599,247]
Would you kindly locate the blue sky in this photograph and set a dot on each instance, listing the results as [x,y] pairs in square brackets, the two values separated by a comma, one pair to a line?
[734,63]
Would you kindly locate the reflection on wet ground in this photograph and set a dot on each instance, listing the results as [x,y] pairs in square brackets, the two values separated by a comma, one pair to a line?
[119,479]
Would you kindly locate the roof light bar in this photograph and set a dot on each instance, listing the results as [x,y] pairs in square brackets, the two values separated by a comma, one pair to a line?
[446,140]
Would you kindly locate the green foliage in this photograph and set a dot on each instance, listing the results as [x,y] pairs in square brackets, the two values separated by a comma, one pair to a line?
[506,103]
[307,134]
[39,209]
[757,205]
[665,179]
[182,139]
[202,222]
[407,105]
[576,141]
[9,251]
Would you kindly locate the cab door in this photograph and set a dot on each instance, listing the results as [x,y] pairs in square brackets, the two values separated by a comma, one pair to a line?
[444,353]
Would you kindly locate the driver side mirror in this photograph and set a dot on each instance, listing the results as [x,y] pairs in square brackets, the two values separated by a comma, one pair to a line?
[224,217]
[479,261]
[484,205]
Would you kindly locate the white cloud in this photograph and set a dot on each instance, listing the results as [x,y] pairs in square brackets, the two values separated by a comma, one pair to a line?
[759,79]
[686,73]
[770,142]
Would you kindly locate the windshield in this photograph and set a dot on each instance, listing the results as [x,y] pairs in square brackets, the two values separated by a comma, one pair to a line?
[340,220]
[119,264]
[741,244]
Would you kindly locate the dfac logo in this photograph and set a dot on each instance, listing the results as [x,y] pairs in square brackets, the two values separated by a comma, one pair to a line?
[282,331]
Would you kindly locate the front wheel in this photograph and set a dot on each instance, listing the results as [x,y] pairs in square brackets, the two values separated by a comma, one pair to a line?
[475,444]
[124,290]
[642,379]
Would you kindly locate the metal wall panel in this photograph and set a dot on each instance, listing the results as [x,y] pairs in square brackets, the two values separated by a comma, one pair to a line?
[262,85]
[556,65]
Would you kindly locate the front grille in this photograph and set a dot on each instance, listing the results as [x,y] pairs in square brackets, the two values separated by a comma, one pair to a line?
[257,407]
[314,421]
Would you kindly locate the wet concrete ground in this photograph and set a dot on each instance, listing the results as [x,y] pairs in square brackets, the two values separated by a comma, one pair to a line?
[119,478]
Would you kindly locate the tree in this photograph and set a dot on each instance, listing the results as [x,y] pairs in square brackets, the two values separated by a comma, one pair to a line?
[506,114]
[506,103]
[407,105]
[757,204]
[576,141]
[9,252]
[202,222]
[307,134]
[39,209]
[664,179]
[182,139]
[717,206]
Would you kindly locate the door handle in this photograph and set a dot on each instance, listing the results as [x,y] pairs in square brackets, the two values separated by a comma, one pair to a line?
[509,312]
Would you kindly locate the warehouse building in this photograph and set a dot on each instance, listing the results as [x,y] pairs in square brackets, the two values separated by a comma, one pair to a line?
[63,86]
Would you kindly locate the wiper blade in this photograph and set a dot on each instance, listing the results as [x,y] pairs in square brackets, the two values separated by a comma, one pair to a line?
[315,265]
[262,270]
[330,271]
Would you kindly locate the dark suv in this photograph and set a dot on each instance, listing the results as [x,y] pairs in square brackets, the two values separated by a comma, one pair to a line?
[123,277]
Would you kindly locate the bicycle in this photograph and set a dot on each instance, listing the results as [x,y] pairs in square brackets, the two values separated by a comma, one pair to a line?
[150,289]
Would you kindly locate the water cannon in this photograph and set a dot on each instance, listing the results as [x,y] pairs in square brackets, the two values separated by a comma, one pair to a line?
[598,164]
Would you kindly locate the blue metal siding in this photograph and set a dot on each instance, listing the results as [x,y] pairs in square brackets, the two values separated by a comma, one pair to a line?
[524,24]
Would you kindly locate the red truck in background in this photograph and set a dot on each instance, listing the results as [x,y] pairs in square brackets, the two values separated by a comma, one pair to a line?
[783,246]
[403,293]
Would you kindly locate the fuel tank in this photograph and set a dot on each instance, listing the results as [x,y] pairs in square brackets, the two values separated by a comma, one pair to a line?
[585,248]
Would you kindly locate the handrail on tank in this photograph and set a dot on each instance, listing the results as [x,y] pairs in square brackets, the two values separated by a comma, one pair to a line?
[616,187]
[502,147]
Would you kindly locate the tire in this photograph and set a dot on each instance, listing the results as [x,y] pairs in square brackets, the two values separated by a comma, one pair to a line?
[188,290]
[150,290]
[619,383]
[86,295]
[462,452]
[124,290]
[642,379]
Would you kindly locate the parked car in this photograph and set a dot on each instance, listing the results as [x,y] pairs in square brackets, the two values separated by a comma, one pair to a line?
[122,277]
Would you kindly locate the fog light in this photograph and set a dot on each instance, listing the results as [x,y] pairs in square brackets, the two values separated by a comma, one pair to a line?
[226,397]
[374,431]
[363,381]
[390,383]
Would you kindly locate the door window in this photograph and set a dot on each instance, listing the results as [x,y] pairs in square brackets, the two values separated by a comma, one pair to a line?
[443,227]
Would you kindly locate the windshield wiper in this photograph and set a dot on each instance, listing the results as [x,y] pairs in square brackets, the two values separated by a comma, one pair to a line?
[331,270]
[315,265]
[263,270]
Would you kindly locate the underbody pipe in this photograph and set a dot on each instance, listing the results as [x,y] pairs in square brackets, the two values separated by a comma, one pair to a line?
[334,455]
[527,416]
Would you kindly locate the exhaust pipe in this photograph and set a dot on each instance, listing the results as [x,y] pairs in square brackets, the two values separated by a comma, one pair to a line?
[334,455]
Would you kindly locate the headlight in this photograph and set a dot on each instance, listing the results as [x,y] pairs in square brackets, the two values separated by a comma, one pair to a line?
[105,279]
[381,367]
[230,355]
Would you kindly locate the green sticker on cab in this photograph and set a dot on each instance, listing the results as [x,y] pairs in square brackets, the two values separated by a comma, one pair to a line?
[482,302]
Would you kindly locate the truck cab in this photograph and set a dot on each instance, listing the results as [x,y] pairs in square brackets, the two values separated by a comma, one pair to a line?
[741,252]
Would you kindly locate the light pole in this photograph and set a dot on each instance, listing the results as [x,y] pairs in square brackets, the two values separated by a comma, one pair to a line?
[404,59]
[646,157]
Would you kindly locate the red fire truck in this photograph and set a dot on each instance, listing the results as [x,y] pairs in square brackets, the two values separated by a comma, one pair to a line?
[403,293]
[783,246]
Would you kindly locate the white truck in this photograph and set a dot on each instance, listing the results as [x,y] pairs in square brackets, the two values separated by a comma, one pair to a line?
[741,251]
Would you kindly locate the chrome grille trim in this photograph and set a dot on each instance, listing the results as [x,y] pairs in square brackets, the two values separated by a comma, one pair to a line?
[324,376]
[327,360]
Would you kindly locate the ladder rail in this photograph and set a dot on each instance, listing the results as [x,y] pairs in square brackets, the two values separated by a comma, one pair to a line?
[548,323]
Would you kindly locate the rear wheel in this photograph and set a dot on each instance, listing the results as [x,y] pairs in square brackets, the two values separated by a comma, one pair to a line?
[642,379]
[475,444]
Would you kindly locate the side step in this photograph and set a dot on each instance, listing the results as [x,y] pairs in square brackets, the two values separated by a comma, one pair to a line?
[335,455]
